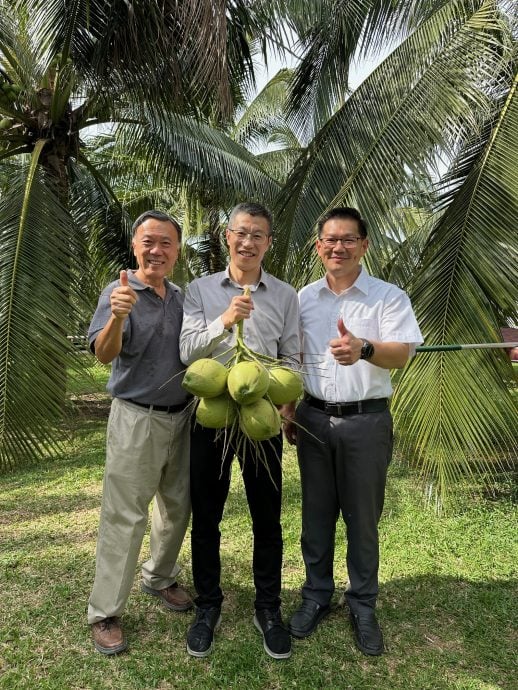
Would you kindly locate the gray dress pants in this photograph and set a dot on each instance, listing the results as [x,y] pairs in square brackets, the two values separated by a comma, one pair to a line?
[343,467]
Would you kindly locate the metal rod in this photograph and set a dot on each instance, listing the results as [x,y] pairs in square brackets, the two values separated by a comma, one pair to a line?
[466,346]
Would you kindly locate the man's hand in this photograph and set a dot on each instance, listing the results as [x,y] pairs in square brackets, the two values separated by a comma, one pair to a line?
[122,298]
[239,308]
[347,348]
[108,343]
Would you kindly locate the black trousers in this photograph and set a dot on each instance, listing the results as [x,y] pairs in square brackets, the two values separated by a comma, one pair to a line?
[342,472]
[211,464]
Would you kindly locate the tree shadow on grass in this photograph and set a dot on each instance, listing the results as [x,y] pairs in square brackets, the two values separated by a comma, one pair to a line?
[440,633]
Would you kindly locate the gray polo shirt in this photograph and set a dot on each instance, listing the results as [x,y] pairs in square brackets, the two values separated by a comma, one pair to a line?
[272,329]
[150,355]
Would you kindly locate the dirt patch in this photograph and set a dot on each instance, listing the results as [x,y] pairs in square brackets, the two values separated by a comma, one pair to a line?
[90,405]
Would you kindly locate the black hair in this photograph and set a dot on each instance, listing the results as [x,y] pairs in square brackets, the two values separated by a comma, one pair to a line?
[345,213]
[253,209]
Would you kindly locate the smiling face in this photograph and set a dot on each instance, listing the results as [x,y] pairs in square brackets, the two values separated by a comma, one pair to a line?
[342,263]
[155,246]
[247,253]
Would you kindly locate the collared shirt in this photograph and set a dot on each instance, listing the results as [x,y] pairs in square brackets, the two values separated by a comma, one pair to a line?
[371,309]
[146,368]
[272,329]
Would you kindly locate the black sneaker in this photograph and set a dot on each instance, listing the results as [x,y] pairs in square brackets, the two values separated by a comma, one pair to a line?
[201,632]
[276,637]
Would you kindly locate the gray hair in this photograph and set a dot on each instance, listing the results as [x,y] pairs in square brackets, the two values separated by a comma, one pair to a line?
[157,215]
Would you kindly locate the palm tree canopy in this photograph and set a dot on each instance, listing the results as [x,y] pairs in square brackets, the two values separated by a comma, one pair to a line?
[156,74]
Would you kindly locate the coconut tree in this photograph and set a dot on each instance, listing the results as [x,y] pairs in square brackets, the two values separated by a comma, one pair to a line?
[260,127]
[437,116]
[155,73]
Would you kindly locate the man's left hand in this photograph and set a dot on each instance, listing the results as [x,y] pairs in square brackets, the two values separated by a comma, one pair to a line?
[347,348]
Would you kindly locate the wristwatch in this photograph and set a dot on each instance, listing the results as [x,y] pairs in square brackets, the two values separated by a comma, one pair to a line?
[367,349]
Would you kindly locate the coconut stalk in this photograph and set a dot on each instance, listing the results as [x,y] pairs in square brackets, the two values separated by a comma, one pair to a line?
[258,419]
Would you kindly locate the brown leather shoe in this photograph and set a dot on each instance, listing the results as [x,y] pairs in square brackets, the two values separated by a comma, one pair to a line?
[108,636]
[174,597]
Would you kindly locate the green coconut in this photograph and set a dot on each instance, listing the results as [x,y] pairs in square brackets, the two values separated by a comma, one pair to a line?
[216,413]
[206,378]
[260,420]
[285,385]
[247,382]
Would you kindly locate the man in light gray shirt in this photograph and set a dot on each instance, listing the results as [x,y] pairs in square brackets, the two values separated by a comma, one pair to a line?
[213,307]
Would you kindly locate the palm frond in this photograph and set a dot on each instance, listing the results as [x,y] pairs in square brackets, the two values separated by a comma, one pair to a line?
[185,153]
[264,114]
[139,47]
[38,251]
[423,98]
[457,408]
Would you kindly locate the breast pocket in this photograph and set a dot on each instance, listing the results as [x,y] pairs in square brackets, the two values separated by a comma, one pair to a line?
[363,328]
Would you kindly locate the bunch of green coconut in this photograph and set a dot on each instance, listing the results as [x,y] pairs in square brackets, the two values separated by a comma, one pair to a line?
[242,396]
[9,92]
[8,95]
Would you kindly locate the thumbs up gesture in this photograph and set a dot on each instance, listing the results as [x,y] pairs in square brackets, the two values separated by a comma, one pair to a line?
[122,298]
[342,330]
[346,349]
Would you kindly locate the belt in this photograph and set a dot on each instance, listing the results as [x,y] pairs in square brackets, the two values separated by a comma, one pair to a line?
[160,408]
[340,409]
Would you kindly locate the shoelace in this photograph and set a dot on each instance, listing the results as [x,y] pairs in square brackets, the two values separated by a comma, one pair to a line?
[203,616]
[273,617]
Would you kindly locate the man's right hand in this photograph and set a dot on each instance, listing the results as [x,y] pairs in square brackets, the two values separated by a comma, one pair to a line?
[239,308]
[122,298]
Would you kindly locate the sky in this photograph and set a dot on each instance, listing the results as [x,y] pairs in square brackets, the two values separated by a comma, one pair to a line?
[357,74]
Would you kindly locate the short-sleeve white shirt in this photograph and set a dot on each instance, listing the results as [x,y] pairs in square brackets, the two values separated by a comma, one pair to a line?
[371,309]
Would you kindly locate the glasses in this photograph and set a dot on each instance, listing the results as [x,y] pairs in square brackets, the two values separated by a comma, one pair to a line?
[257,237]
[347,242]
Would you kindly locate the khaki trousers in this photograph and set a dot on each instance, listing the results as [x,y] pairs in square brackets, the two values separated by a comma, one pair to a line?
[147,455]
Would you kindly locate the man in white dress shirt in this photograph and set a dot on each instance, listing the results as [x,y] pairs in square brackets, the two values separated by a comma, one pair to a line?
[354,329]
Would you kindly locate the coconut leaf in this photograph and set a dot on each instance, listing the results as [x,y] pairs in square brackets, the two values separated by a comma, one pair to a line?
[457,408]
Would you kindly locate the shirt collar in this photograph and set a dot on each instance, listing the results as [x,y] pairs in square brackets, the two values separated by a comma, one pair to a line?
[361,283]
[263,279]
[136,284]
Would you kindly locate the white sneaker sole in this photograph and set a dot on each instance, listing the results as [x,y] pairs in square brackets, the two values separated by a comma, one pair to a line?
[202,655]
[274,655]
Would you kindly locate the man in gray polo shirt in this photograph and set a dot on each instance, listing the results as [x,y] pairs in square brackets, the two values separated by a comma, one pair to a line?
[136,327]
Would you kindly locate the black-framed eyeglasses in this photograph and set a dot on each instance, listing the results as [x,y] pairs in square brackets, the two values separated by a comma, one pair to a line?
[347,242]
[256,236]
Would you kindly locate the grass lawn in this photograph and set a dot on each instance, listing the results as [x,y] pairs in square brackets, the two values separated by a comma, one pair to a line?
[447,602]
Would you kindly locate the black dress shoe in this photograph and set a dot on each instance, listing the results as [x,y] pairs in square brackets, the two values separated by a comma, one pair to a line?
[307,617]
[367,633]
